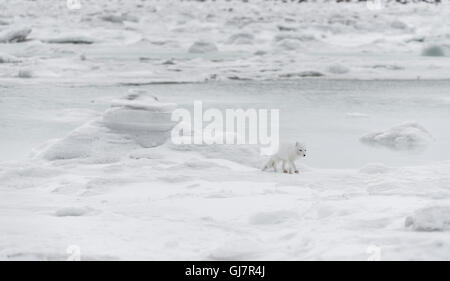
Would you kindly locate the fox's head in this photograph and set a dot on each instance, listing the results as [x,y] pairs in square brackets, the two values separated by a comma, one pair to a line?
[300,149]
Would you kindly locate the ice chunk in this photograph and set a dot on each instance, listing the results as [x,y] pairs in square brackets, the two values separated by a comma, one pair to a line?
[289,44]
[73,212]
[141,100]
[433,51]
[14,36]
[5,58]
[141,116]
[119,18]
[70,39]
[112,18]
[405,136]
[399,25]
[430,219]
[338,69]
[25,73]
[241,38]
[200,47]
[309,73]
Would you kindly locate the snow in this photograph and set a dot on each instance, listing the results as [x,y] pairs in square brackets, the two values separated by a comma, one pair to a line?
[409,135]
[376,168]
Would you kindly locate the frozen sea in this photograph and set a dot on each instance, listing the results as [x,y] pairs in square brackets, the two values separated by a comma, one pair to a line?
[328,115]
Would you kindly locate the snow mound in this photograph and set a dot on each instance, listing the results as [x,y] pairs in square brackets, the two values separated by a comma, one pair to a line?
[5,58]
[433,51]
[405,136]
[200,47]
[136,121]
[236,249]
[375,168]
[430,219]
[91,142]
[142,117]
[15,36]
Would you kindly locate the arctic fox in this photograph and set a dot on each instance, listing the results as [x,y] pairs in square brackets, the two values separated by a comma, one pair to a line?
[287,153]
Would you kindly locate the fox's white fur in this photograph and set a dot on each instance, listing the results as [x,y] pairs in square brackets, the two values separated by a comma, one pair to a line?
[287,154]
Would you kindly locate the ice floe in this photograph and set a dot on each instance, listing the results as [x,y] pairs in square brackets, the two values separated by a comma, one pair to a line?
[409,135]
[5,58]
[15,36]
[200,47]
[433,51]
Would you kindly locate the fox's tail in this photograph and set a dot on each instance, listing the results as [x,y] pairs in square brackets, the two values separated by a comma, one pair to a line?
[268,165]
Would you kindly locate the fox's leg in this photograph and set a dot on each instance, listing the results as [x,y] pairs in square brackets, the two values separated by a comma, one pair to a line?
[284,167]
[274,166]
[270,164]
[293,166]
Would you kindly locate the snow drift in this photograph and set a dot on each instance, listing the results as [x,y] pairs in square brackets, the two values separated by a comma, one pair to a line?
[135,121]
[430,219]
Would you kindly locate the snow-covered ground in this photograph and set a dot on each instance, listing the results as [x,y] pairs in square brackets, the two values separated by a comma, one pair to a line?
[77,166]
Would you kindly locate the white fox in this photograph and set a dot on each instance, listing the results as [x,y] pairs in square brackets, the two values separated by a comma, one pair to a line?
[287,153]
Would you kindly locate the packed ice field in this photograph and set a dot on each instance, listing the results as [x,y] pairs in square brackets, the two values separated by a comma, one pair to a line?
[82,168]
